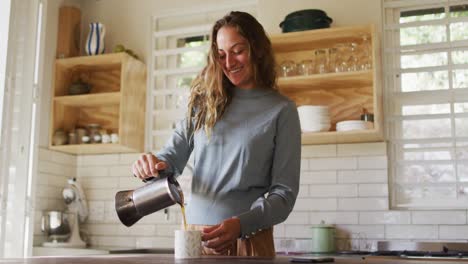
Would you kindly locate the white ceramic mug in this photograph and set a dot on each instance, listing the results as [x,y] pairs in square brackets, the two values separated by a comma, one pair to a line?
[187,244]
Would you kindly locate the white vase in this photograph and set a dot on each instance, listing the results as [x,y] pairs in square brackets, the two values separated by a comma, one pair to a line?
[95,41]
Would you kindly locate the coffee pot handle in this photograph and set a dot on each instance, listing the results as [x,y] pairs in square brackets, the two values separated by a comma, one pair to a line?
[162,174]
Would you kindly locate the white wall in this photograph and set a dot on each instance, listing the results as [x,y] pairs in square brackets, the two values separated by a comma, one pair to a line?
[343,12]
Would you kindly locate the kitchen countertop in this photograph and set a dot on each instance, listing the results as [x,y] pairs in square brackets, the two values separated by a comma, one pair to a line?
[169,259]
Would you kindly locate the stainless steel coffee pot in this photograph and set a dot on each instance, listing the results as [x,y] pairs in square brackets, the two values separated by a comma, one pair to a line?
[156,194]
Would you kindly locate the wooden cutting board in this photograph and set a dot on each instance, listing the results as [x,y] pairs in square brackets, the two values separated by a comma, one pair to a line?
[69,30]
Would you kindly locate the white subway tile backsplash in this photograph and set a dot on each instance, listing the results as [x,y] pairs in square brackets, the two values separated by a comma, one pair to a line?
[344,163]
[385,217]
[96,211]
[362,204]
[411,232]
[154,242]
[317,204]
[84,172]
[278,231]
[362,176]
[373,190]
[52,180]
[110,214]
[45,154]
[116,241]
[345,185]
[377,162]
[318,151]
[297,218]
[136,230]
[453,232]
[130,183]
[128,158]
[100,194]
[362,149]
[438,217]
[304,164]
[333,217]
[303,191]
[311,177]
[121,171]
[101,229]
[335,190]
[298,231]
[48,167]
[99,182]
[98,160]
[168,230]
[361,231]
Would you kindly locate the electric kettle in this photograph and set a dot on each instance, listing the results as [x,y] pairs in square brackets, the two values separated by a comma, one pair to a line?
[158,193]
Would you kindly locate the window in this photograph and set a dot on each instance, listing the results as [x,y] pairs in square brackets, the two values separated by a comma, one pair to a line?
[426,89]
[179,47]
[19,134]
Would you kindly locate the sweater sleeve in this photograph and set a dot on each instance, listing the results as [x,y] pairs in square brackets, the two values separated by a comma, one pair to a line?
[178,148]
[285,171]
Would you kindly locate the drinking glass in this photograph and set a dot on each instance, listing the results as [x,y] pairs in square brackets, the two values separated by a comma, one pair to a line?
[341,58]
[288,68]
[365,58]
[306,67]
[352,48]
[321,61]
[333,60]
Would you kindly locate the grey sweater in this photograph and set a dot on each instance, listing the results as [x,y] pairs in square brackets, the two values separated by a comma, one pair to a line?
[250,166]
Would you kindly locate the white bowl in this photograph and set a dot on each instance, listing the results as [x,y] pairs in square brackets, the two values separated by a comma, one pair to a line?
[354,125]
[314,118]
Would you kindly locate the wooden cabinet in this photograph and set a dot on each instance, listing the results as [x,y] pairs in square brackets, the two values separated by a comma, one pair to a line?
[116,101]
[345,93]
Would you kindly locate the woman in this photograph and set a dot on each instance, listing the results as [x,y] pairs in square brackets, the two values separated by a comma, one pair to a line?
[246,142]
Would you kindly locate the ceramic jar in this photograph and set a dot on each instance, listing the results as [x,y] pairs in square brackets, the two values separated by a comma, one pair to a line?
[59,138]
[95,41]
[323,238]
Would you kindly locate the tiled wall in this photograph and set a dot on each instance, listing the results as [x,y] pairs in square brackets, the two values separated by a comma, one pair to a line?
[345,185]
[54,168]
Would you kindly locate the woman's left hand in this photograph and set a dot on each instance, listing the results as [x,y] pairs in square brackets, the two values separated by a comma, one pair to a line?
[221,237]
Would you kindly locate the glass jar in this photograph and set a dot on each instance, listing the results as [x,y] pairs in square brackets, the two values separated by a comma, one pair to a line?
[93,133]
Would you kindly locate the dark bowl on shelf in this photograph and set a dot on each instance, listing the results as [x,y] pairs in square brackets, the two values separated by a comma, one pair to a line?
[79,88]
[305,20]
[307,13]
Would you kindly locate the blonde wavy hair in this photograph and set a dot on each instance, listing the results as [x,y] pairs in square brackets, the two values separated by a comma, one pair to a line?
[209,95]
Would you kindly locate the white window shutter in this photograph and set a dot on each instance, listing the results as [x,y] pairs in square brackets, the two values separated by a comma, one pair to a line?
[426,89]
[18,124]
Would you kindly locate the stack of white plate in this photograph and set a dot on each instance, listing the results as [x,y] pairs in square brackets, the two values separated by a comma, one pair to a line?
[314,118]
[350,125]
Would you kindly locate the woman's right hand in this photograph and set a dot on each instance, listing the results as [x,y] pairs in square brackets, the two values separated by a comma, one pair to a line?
[148,165]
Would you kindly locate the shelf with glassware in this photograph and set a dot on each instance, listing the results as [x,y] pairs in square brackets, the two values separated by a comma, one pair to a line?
[336,69]
[98,105]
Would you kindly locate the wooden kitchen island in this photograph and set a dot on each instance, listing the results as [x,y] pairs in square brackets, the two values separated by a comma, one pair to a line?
[169,259]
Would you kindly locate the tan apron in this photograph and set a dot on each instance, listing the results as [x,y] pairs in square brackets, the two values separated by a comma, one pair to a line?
[259,245]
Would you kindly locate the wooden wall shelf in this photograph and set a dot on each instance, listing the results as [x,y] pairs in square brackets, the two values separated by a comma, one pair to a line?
[116,101]
[345,93]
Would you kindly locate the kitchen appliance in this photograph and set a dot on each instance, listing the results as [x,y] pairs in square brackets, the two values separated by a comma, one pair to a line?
[55,224]
[77,212]
[157,194]
[426,251]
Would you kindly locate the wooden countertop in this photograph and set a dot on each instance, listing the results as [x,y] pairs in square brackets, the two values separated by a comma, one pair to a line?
[169,259]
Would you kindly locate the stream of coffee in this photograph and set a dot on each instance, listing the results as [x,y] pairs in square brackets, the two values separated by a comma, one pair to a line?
[182,208]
